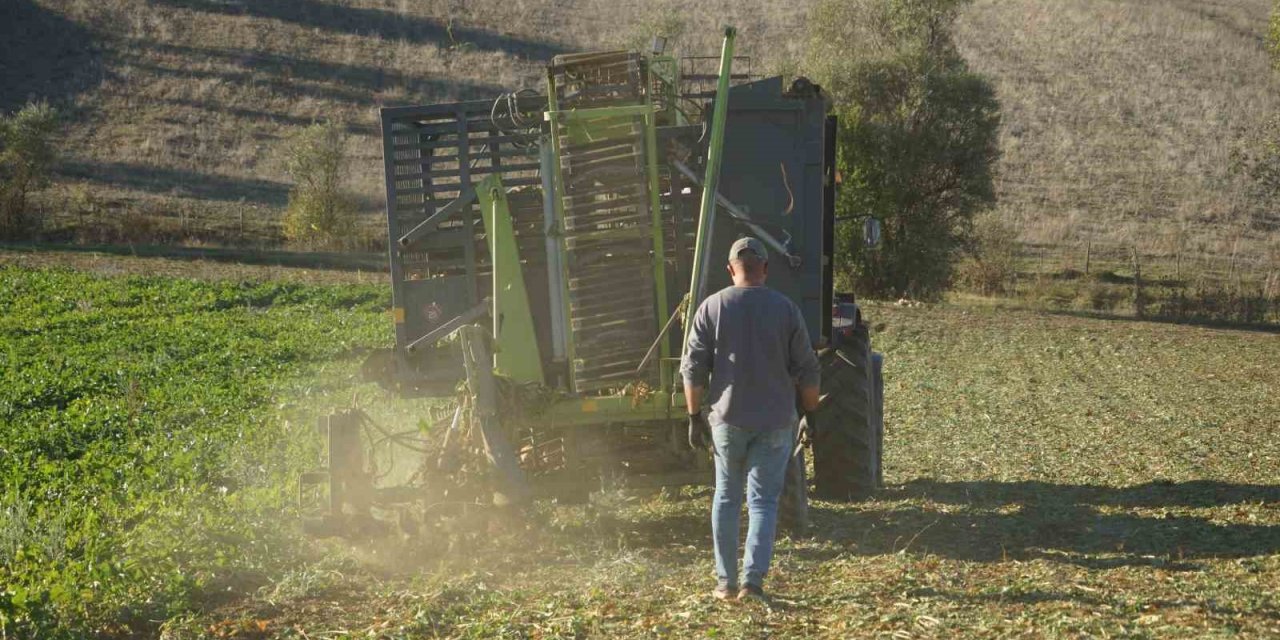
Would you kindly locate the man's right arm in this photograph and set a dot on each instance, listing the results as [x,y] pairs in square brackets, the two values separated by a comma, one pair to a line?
[699,353]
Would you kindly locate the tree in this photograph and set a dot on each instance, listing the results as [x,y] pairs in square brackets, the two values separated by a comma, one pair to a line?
[918,138]
[27,155]
[321,213]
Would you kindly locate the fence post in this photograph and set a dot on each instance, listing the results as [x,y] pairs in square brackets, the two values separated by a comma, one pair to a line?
[1139,304]
[1088,255]
[1231,268]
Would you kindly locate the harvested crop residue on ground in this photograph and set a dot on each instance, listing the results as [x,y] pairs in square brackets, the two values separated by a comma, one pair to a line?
[1048,476]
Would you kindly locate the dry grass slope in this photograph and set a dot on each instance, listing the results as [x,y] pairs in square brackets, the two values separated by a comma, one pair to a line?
[1121,116]
[179,140]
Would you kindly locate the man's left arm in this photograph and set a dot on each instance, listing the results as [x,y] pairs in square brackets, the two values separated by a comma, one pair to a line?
[803,364]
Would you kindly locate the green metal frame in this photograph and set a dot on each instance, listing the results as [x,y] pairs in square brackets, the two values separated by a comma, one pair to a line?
[515,344]
[667,69]
[667,403]
[582,125]
[659,250]
[606,409]
[553,117]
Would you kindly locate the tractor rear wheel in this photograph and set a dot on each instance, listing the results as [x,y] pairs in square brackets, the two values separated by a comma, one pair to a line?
[845,451]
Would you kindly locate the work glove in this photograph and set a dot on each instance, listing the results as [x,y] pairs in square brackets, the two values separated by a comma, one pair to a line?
[699,432]
[809,428]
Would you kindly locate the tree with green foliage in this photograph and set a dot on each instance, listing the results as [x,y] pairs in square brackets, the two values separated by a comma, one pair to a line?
[321,212]
[918,138]
[27,154]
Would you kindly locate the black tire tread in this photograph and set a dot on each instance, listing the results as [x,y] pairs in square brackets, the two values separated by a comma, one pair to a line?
[844,451]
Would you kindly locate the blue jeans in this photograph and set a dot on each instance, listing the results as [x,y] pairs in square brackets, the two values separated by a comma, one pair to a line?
[757,461]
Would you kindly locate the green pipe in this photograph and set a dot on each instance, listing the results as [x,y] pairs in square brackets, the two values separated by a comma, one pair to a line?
[707,210]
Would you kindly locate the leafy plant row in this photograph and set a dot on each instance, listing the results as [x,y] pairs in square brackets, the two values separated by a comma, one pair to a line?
[145,457]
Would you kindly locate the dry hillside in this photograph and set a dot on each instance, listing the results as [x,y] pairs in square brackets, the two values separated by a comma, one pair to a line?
[177,136]
[1120,115]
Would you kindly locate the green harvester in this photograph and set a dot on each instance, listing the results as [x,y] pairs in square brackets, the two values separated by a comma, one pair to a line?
[545,248]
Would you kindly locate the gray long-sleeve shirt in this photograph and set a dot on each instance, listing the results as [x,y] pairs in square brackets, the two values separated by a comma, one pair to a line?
[752,345]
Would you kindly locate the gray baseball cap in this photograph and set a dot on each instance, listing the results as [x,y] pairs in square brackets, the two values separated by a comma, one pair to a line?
[748,244]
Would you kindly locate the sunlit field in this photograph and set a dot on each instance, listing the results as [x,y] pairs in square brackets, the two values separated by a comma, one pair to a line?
[1047,475]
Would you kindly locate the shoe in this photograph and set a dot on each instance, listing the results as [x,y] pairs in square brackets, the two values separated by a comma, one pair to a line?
[723,592]
[752,592]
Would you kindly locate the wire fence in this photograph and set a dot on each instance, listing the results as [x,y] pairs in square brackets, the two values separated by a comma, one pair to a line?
[1190,268]
[1233,287]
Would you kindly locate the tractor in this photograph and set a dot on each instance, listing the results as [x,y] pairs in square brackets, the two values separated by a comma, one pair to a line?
[546,250]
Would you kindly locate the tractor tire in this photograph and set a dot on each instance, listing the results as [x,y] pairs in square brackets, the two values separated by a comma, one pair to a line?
[845,451]
[793,504]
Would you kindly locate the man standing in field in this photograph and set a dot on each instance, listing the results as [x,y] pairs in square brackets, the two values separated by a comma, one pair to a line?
[748,353]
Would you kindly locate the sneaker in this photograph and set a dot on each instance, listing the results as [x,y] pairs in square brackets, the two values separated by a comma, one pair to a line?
[723,592]
[752,592]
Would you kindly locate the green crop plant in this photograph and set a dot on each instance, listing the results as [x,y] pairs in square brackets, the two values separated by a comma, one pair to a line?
[143,456]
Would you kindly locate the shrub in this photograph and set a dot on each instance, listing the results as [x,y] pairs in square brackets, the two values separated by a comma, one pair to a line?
[27,155]
[990,261]
[321,213]
[1097,296]
[918,138]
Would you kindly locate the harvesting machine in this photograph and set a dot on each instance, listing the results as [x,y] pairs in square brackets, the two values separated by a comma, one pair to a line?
[544,249]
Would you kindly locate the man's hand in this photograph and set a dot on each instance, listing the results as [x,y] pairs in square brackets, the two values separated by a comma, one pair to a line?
[809,427]
[699,432]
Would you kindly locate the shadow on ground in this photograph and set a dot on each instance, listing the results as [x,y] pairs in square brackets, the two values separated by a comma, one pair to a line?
[1085,525]
[294,77]
[384,24]
[178,182]
[43,55]
[1203,322]
[1196,494]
